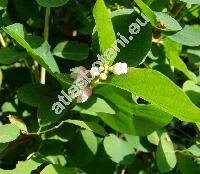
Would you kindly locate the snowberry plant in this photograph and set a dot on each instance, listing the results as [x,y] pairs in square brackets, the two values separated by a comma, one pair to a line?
[99,86]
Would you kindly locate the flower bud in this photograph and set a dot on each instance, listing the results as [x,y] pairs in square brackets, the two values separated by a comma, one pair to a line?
[106,67]
[76,72]
[120,68]
[103,76]
[94,71]
[111,69]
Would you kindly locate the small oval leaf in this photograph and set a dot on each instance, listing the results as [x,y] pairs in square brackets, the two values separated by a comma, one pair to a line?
[52,3]
[165,155]
[8,133]
[116,148]
[71,50]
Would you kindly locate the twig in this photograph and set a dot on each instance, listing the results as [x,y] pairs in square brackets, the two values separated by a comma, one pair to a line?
[189,11]
[46,36]
[2,41]
[123,171]
[48,130]
[178,10]
[36,71]
[187,154]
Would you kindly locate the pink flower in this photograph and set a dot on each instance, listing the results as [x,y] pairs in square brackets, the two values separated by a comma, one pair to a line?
[77,71]
[84,95]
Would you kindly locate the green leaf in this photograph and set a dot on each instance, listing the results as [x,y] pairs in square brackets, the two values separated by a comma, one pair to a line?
[72,50]
[148,12]
[194,149]
[92,107]
[25,167]
[187,165]
[17,122]
[141,116]
[157,5]
[101,163]
[64,79]
[190,2]
[169,22]
[198,126]
[10,55]
[91,126]
[187,36]
[165,155]
[172,51]
[3,4]
[138,143]
[157,89]
[29,15]
[52,3]
[33,94]
[88,143]
[90,140]
[122,99]
[129,117]
[104,27]
[157,18]
[8,107]
[194,55]
[35,46]
[154,138]
[8,133]
[46,116]
[131,53]
[192,90]
[48,151]
[151,115]
[3,146]
[116,148]
[29,165]
[57,169]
